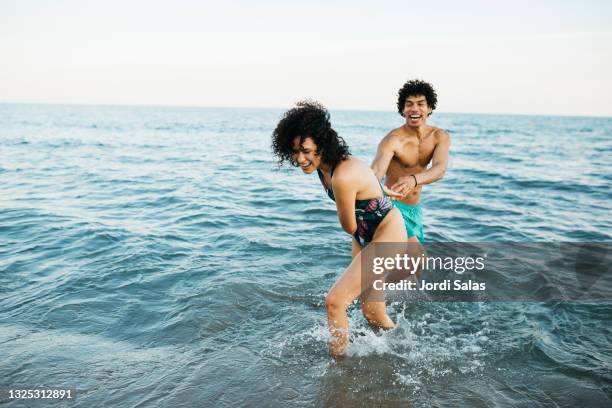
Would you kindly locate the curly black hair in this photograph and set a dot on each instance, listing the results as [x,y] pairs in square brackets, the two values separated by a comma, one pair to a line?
[308,119]
[416,87]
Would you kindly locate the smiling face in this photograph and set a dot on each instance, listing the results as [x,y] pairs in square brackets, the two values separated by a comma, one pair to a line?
[416,110]
[305,154]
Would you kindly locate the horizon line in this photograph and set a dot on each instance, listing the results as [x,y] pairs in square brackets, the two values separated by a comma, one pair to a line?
[134,105]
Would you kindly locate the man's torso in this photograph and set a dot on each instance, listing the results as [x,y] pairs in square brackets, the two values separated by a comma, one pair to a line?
[411,156]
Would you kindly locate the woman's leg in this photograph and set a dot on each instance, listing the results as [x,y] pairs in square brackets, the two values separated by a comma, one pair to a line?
[414,249]
[355,248]
[346,289]
[392,230]
[352,284]
[375,313]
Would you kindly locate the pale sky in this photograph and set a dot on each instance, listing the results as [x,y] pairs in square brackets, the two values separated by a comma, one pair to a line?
[530,57]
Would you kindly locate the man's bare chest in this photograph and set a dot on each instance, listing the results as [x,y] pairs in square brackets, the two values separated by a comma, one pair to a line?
[414,152]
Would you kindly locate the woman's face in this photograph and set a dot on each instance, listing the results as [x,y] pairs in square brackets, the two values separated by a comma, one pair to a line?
[305,154]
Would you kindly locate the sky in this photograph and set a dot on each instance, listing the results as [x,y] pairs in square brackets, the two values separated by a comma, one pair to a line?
[526,57]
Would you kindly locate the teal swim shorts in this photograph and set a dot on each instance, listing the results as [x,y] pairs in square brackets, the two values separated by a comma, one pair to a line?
[413,218]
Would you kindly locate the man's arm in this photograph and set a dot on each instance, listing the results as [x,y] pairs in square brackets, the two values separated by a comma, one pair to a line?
[384,154]
[439,161]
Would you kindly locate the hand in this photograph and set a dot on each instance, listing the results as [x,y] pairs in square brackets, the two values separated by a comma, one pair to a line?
[394,195]
[404,185]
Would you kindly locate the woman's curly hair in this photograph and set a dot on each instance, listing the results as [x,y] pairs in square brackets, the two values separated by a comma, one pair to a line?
[308,119]
[413,88]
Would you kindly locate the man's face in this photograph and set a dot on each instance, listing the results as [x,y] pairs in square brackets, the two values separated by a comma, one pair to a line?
[416,110]
[305,154]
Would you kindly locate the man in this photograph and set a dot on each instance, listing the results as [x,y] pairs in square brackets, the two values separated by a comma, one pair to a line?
[405,153]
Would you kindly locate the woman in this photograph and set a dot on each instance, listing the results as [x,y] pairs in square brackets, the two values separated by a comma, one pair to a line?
[305,138]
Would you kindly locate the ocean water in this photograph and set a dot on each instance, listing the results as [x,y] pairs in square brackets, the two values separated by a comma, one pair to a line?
[156,256]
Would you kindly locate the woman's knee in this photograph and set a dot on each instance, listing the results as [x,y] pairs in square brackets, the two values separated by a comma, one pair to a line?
[335,302]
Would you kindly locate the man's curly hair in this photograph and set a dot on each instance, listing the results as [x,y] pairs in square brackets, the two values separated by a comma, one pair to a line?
[308,119]
[413,88]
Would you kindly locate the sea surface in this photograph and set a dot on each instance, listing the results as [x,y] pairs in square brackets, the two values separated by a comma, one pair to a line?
[157,256]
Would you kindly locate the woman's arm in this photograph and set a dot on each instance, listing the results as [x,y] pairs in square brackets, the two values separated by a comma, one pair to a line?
[345,184]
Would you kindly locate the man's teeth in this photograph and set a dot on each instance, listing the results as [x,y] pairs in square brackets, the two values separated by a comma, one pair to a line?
[415,116]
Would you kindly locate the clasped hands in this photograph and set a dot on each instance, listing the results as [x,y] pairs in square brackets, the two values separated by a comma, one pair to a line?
[402,187]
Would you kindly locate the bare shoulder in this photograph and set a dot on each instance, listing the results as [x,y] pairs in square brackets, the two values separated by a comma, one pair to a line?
[350,170]
[392,139]
[440,135]
[396,133]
